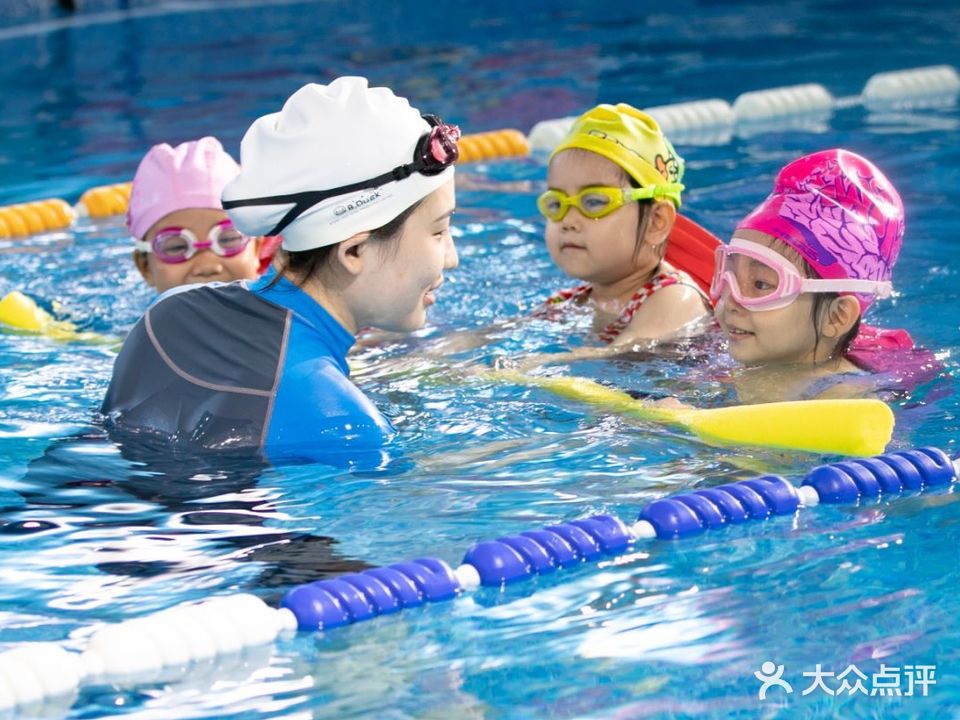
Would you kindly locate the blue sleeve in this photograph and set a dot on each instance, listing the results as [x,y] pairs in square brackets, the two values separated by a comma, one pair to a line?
[320,415]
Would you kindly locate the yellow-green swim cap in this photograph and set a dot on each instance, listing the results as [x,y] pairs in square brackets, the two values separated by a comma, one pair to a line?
[634,141]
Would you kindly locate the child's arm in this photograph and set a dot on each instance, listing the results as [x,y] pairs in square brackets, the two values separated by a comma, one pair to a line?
[674,311]
[431,350]
[526,363]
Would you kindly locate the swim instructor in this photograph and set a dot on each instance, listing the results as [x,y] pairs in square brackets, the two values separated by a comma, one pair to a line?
[360,185]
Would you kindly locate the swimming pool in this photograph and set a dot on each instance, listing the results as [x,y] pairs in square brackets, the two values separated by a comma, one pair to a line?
[672,629]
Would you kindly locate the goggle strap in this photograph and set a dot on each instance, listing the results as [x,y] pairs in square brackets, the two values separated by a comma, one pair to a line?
[641,193]
[303,201]
[660,191]
[292,214]
[669,191]
[142,245]
[880,288]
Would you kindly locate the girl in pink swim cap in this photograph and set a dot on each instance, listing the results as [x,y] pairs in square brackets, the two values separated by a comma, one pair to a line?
[792,285]
[181,232]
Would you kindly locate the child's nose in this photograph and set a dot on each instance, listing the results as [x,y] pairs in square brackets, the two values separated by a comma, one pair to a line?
[572,220]
[728,302]
[206,262]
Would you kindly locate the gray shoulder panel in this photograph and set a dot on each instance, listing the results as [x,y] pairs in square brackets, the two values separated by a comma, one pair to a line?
[201,367]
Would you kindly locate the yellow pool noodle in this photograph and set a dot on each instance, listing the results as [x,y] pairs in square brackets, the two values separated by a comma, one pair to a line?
[844,427]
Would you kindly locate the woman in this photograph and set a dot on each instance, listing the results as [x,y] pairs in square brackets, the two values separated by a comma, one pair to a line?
[361,187]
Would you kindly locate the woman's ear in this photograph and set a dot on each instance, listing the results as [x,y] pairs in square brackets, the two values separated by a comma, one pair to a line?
[354,252]
[840,317]
[662,216]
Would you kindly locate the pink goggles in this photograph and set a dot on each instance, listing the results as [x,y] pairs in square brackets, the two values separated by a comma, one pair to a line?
[176,244]
[759,278]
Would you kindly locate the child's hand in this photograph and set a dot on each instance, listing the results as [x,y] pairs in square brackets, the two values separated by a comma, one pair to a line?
[524,363]
[671,403]
[456,342]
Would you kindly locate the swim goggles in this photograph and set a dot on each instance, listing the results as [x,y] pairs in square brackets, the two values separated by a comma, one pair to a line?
[760,278]
[434,153]
[598,201]
[174,245]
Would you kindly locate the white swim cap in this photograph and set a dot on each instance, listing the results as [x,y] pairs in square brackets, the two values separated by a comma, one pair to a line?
[332,137]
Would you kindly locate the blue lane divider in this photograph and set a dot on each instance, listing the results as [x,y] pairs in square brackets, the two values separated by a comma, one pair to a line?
[691,513]
[891,473]
[194,632]
[360,596]
[519,556]
[379,591]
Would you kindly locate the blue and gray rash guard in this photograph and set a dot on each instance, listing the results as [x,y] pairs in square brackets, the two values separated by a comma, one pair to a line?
[235,366]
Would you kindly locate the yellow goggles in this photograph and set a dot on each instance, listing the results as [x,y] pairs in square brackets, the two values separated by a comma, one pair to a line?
[600,200]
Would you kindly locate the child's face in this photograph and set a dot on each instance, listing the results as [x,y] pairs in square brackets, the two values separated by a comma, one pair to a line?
[206,265]
[785,335]
[396,283]
[602,250]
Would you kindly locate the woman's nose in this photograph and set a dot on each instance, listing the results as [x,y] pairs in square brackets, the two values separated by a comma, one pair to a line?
[450,257]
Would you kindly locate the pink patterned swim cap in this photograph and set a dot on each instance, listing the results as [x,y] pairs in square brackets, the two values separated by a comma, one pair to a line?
[190,175]
[839,212]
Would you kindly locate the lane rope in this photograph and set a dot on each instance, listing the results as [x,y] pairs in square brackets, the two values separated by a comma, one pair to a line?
[703,122]
[184,634]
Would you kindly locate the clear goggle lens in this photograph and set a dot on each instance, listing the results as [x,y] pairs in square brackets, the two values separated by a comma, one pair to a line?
[592,202]
[177,244]
[760,278]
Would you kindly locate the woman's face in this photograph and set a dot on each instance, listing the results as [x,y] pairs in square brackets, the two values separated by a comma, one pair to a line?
[206,266]
[397,286]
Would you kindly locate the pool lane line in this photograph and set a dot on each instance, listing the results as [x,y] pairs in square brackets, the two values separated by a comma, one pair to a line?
[133,649]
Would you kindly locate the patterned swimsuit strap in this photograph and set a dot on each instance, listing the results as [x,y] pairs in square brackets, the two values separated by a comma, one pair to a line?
[661,280]
[611,331]
[580,292]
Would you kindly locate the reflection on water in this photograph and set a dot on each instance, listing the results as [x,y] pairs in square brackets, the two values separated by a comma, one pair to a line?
[148,517]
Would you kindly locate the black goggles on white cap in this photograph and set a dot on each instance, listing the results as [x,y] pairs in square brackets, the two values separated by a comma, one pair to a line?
[435,152]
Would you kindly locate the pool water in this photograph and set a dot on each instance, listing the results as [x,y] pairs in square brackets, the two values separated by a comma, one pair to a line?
[90,534]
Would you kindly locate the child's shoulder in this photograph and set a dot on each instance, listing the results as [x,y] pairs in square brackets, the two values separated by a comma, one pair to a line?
[667,291]
[840,386]
[671,288]
[664,306]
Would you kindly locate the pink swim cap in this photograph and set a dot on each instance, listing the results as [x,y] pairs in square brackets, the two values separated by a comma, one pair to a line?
[190,175]
[839,212]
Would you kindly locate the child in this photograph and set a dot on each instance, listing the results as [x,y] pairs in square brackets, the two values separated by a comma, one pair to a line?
[614,190]
[362,187]
[181,232]
[801,269]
